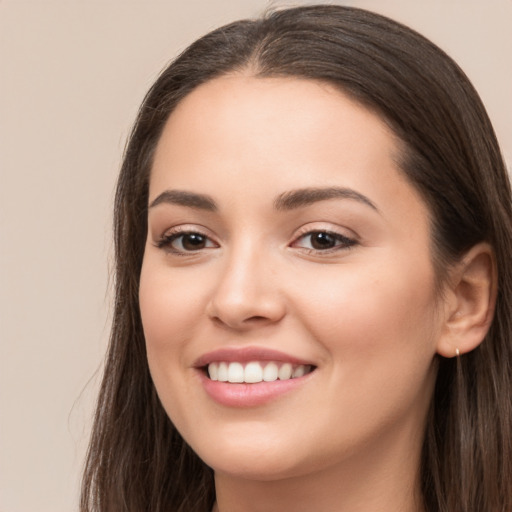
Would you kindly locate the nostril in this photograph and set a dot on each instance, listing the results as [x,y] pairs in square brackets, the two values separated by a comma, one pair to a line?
[246,311]
[252,321]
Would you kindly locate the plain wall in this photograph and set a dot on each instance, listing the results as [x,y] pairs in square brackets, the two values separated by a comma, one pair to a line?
[72,76]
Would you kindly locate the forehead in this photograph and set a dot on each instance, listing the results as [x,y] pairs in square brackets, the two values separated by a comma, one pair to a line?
[275,104]
[236,132]
[265,119]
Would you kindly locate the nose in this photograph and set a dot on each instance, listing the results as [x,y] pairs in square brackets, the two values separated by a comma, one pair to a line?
[247,293]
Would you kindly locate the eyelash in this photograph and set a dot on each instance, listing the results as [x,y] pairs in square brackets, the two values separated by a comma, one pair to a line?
[167,240]
[340,241]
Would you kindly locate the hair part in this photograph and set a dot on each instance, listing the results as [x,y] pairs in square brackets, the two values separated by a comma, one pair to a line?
[137,460]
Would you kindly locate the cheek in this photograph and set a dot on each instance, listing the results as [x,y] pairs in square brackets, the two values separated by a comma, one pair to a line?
[166,309]
[167,312]
[173,302]
[169,304]
[381,317]
[378,331]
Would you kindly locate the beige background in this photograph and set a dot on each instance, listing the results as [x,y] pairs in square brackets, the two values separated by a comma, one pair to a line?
[72,75]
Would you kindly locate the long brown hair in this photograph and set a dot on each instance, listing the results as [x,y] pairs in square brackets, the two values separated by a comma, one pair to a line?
[137,460]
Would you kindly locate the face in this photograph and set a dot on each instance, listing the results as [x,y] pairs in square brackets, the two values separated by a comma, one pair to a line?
[288,258]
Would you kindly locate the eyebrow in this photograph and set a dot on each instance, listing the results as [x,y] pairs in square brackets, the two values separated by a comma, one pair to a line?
[290,200]
[306,196]
[183,198]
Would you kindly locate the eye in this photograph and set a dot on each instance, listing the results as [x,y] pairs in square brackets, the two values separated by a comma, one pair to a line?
[185,241]
[319,241]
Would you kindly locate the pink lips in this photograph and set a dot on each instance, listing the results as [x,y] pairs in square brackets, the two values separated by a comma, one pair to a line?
[242,394]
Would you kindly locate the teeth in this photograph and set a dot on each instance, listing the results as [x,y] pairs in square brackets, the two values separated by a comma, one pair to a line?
[255,372]
[270,372]
[235,372]
[222,373]
[285,372]
[213,371]
[299,371]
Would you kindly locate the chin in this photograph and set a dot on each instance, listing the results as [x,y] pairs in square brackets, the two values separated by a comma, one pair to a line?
[260,469]
[243,457]
[265,460]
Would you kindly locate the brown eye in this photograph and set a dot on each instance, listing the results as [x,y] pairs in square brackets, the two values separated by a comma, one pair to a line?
[193,241]
[184,242]
[323,241]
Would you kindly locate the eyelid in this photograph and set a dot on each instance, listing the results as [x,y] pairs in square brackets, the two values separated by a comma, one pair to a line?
[165,240]
[347,240]
[326,227]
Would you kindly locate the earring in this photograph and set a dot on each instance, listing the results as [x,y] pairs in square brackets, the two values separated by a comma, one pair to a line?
[457,353]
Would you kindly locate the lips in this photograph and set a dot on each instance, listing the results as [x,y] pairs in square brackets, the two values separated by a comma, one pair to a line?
[251,376]
[246,355]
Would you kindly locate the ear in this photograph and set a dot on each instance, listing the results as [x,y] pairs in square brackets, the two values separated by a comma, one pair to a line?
[470,299]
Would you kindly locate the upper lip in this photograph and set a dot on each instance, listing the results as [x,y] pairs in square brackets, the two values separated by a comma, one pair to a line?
[246,355]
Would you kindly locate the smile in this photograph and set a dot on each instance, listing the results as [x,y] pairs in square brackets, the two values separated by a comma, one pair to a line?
[254,372]
[242,377]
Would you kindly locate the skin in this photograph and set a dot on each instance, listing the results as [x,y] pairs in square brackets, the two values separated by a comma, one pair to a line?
[366,315]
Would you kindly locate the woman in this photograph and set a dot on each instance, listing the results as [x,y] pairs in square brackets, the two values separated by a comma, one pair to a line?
[312,229]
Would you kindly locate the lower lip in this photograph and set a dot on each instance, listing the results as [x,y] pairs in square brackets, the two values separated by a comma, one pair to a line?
[249,395]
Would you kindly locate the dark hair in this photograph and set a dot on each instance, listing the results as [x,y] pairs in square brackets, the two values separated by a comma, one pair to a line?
[137,460]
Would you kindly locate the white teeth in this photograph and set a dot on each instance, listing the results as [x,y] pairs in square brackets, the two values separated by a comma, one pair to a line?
[285,372]
[235,372]
[222,373]
[270,372]
[299,371]
[213,371]
[255,372]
